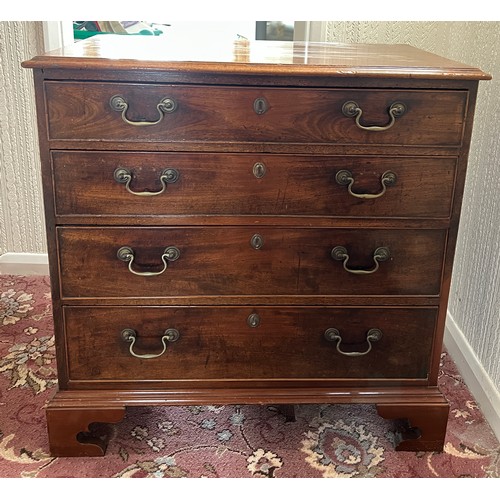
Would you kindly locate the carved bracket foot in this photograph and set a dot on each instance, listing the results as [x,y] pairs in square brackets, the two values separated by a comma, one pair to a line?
[70,430]
[421,427]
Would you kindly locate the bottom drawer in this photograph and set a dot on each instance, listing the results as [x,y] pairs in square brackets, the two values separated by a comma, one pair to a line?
[247,343]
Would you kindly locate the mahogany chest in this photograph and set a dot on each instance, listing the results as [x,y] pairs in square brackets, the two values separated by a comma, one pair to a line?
[257,223]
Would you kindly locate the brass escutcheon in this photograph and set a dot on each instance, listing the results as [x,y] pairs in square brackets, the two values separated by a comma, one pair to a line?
[257,242]
[259,170]
[253,320]
[260,105]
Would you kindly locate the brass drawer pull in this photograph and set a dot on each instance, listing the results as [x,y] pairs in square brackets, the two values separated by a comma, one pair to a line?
[129,335]
[381,254]
[373,335]
[345,178]
[126,254]
[166,105]
[351,110]
[124,176]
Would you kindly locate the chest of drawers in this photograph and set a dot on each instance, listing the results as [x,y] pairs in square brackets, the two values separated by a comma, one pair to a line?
[261,224]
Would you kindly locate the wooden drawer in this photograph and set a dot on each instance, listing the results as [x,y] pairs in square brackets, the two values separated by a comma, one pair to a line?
[250,184]
[222,261]
[221,343]
[83,111]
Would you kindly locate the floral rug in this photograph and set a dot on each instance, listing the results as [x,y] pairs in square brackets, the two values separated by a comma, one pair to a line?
[215,441]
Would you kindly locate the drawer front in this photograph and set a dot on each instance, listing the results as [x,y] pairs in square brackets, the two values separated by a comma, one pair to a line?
[242,343]
[246,260]
[112,183]
[86,111]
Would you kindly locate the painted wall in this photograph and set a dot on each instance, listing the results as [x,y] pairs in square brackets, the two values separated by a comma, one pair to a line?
[21,214]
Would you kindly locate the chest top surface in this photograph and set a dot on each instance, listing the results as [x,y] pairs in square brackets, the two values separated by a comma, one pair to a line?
[115,52]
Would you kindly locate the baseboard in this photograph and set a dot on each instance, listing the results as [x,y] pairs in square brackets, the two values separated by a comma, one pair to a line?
[24,263]
[478,381]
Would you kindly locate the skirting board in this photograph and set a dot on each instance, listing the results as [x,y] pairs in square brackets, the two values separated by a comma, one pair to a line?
[24,263]
[473,373]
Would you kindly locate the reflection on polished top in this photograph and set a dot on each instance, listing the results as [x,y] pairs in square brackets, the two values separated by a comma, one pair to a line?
[118,52]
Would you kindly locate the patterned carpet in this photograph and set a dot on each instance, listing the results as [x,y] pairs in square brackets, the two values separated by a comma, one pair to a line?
[215,441]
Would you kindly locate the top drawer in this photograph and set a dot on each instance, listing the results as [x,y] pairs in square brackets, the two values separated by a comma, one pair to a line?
[183,113]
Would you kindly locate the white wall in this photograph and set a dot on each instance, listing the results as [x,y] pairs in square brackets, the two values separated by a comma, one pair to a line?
[21,212]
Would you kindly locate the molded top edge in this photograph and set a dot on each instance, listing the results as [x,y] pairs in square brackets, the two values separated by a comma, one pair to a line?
[118,52]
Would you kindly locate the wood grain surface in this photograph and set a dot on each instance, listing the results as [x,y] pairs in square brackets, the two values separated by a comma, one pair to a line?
[291,185]
[217,343]
[220,261]
[82,111]
[292,59]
